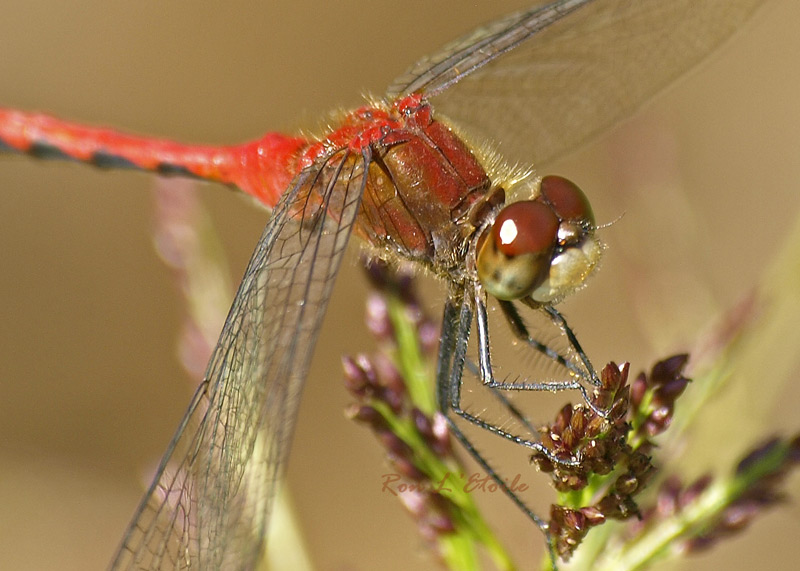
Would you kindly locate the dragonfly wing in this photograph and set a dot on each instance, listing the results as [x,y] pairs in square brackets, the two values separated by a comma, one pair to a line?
[208,507]
[569,69]
[436,72]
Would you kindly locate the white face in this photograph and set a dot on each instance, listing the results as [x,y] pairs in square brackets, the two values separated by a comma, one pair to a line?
[543,248]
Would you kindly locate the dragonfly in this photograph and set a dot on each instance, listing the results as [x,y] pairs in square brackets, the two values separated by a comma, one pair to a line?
[570,68]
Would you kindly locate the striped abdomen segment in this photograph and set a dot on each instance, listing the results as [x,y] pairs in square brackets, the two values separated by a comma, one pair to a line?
[262,168]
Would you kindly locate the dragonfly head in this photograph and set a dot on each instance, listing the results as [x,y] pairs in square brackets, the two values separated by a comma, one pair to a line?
[543,248]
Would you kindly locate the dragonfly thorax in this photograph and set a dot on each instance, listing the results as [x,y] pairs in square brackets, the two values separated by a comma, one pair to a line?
[422,182]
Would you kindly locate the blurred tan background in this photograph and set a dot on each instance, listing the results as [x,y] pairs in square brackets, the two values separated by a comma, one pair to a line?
[90,388]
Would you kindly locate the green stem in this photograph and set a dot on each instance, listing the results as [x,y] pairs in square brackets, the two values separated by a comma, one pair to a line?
[700,515]
[458,548]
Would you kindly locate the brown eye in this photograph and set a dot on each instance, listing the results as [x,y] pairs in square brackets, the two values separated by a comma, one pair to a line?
[567,199]
[525,227]
[514,258]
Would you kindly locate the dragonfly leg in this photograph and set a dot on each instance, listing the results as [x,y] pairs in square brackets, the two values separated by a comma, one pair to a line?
[452,358]
[452,355]
[520,330]
[453,350]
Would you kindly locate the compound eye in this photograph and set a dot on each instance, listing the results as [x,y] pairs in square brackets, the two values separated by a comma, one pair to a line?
[567,199]
[515,256]
[525,227]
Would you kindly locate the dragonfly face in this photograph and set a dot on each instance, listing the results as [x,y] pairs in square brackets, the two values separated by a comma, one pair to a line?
[543,248]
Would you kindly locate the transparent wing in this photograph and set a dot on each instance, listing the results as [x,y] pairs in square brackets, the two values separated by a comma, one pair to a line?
[436,72]
[208,507]
[569,69]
